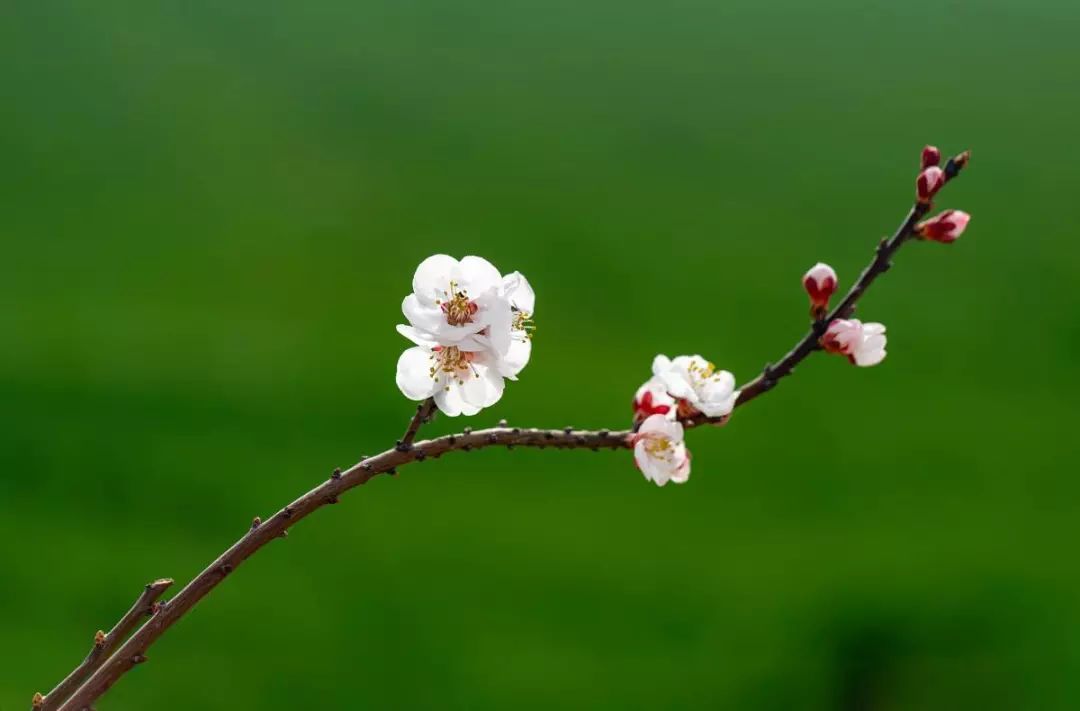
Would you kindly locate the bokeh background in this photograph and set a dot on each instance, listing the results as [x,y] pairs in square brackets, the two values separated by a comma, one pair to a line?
[210,212]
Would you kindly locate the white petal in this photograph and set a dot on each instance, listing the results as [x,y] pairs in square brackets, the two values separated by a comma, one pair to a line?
[418,337]
[516,358]
[479,274]
[432,278]
[682,471]
[661,364]
[414,374]
[873,329]
[426,317]
[519,292]
[500,319]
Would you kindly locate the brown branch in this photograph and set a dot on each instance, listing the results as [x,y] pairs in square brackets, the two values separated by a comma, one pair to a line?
[880,264]
[134,650]
[105,645]
[424,412]
[406,451]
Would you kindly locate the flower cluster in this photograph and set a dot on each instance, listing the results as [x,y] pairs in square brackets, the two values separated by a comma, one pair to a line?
[680,388]
[862,343]
[949,225]
[472,328]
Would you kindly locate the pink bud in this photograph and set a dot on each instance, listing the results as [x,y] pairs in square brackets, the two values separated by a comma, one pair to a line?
[931,156]
[841,336]
[820,283]
[946,227]
[929,182]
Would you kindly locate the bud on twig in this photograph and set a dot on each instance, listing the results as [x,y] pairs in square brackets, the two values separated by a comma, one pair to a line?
[928,183]
[945,227]
[820,284]
[99,639]
[931,156]
[38,701]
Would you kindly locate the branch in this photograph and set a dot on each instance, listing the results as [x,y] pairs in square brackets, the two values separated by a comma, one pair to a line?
[105,645]
[134,650]
[262,532]
[424,412]
[880,264]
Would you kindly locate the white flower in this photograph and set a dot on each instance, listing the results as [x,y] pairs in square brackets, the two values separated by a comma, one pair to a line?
[460,304]
[522,299]
[471,327]
[660,452]
[862,343]
[652,399]
[462,382]
[697,385]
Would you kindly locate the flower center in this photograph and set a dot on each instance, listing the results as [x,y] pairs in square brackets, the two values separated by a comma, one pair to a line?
[458,308]
[660,447]
[523,322]
[701,371]
[450,361]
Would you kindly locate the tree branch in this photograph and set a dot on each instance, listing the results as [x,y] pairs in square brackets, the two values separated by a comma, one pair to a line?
[881,263]
[105,645]
[424,412]
[133,651]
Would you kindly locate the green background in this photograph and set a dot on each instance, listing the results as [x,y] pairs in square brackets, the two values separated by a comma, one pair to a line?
[210,212]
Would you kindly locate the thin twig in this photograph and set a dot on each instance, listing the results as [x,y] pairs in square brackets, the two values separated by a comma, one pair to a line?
[406,451]
[424,412]
[880,264]
[105,644]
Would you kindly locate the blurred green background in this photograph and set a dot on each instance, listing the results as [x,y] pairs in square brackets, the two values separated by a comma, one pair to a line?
[210,212]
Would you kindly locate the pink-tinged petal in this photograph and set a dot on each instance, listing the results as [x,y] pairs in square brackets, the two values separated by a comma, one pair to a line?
[931,156]
[928,183]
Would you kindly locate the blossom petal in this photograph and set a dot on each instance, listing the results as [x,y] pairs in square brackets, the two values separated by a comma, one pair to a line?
[432,278]
[519,292]
[479,274]
[414,374]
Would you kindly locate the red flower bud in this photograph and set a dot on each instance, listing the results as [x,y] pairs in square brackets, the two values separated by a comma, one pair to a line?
[931,156]
[946,227]
[929,182]
[820,283]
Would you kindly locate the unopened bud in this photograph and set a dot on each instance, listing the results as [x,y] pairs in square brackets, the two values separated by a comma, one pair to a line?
[820,283]
[928,183]
[931,156]
[38,701]
[99,638]
[945,227]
